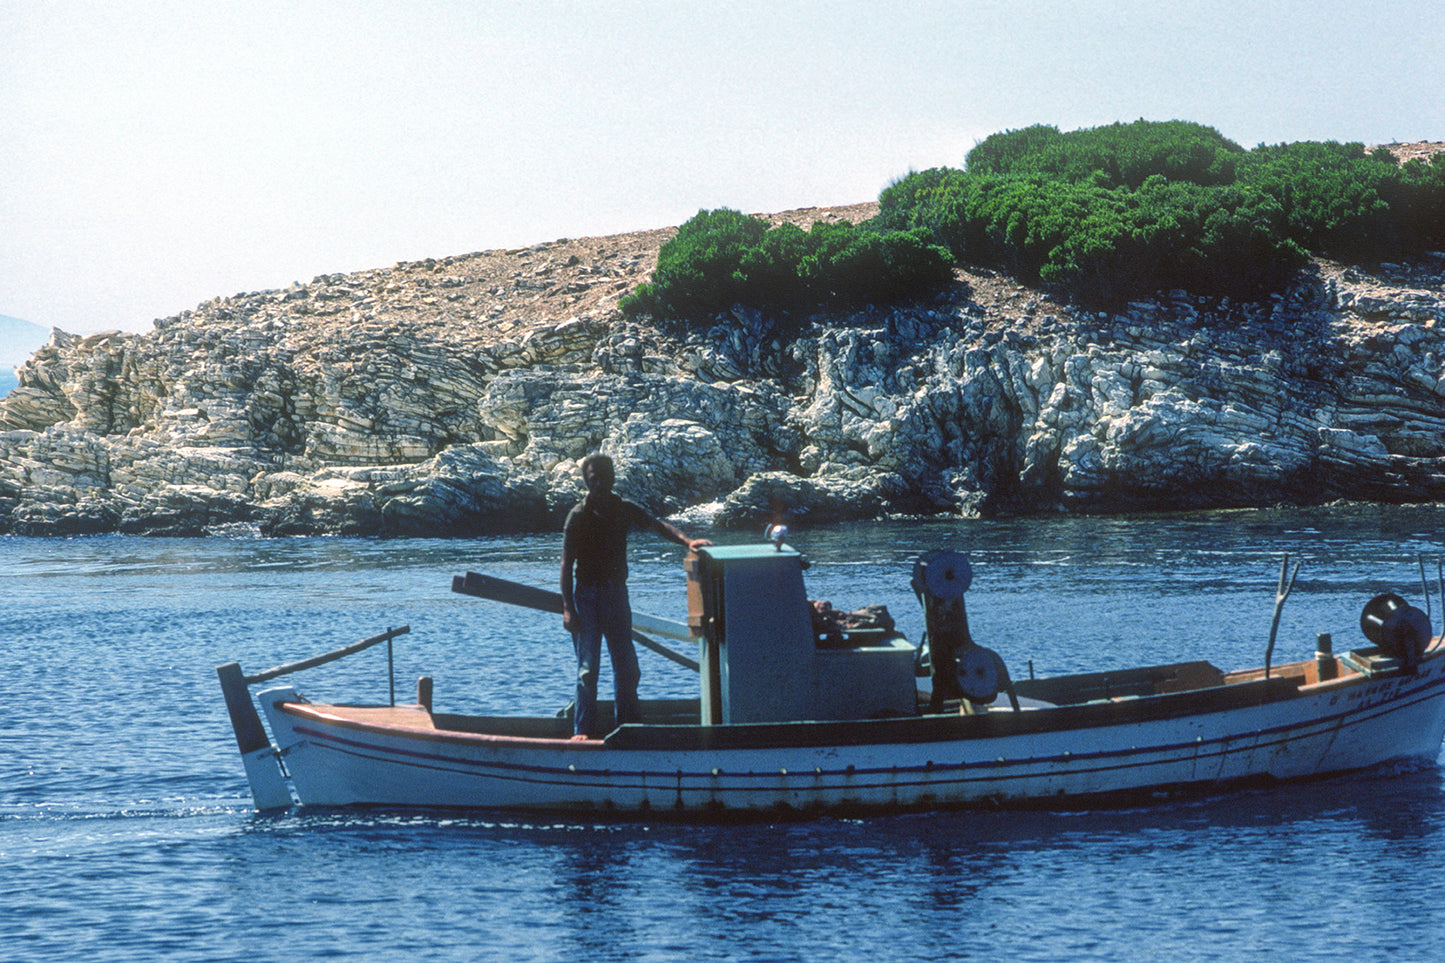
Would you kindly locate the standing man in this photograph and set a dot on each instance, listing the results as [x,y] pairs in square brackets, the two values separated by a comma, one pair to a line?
[594,590]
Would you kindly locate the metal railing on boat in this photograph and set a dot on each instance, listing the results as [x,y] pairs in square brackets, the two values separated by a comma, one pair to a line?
[235,685]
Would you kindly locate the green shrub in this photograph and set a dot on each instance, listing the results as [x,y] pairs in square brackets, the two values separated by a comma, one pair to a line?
[1103,215]
[1126,154]
[1216,240]
[1118,212]
[1343,202]
[1417,200]
[771,267]
[876,267]
[700,270]
[1011,150]
[640,300]
[722,258]
[1330,194]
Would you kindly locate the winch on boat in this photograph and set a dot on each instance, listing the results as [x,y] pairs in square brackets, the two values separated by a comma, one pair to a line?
[960,668]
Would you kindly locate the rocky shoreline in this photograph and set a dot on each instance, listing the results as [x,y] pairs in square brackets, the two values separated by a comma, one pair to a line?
[455,397]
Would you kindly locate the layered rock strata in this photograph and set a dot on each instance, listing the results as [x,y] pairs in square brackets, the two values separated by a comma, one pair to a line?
[456,396]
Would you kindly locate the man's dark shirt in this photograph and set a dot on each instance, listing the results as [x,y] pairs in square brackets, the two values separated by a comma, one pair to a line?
[597,528]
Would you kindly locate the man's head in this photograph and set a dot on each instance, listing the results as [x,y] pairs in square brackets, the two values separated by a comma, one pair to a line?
[597,473]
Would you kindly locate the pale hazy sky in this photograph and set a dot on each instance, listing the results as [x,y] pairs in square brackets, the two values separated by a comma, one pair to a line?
[154,155]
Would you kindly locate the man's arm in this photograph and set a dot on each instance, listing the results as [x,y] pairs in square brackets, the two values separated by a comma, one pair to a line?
[671,532]
[569,560]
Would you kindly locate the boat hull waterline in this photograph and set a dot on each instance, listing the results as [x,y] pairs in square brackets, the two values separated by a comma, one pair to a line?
[1265,729]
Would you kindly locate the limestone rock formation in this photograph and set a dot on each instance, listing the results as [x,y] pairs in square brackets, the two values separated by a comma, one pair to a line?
[456,396]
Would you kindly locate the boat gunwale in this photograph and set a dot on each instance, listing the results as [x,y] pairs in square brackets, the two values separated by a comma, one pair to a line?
[997,723]
[607,771]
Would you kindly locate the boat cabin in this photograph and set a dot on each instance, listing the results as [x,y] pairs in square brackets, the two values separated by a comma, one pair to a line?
[761,659]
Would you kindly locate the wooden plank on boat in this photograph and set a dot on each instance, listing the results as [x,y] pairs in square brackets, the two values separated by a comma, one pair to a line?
[528,596]
[413,717]
[502,590]
[545,600]
[1370,662]
[1144,681]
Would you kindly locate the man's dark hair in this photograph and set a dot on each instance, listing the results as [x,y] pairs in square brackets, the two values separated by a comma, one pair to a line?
[603,465]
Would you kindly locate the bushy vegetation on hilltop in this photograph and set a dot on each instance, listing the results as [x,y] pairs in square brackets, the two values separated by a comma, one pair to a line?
[722,258]
[1110,213]
[1101,215]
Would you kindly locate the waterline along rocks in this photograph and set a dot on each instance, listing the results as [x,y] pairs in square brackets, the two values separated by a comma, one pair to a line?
[456,396]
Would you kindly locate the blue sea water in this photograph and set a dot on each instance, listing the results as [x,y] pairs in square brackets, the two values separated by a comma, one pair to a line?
[127,831]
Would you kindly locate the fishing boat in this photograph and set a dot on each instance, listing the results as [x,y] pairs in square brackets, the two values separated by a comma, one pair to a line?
[794,716]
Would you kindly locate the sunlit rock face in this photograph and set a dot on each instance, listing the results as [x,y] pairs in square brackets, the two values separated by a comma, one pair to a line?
[457,396]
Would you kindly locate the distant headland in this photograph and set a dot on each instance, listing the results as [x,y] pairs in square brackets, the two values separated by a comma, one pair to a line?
[455,396]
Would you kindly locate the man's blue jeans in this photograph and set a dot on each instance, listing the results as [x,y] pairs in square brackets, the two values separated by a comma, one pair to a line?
[603,611]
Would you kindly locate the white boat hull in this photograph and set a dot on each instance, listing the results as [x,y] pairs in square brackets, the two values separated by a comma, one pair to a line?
[1056,756]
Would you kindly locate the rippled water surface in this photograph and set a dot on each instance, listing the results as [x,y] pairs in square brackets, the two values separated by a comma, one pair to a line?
[126,830]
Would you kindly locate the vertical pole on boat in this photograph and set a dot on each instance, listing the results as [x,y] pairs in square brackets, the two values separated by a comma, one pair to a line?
[1424,583]
[390,669]
[1280,595]
[1440,575]
[1325,668]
